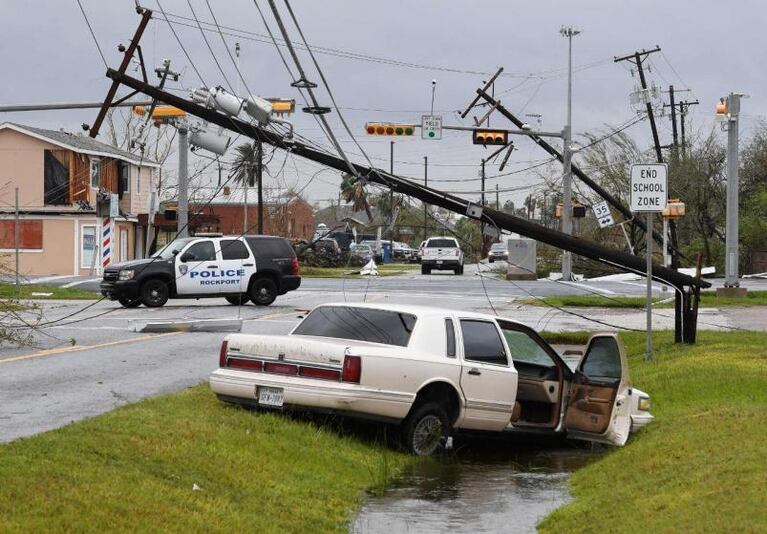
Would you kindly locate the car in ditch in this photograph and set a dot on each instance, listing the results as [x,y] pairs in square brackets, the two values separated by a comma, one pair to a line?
[434,372]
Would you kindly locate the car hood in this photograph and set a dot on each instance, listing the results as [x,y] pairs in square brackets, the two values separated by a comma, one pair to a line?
[134,264]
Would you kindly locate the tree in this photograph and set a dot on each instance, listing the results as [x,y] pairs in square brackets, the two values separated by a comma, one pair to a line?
[353,191]
[246,168]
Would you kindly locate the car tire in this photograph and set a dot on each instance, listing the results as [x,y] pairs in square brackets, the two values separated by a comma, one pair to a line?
[263,291]
[239,300]
[426,429]
[425,270]
[154,293]
[490,260]
[129,303]
[459,270]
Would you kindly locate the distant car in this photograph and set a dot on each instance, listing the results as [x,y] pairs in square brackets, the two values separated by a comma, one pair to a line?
[377,254]
[239,269]
[442,253]
[363,251]
[431,371]
[402,251]
[498,251]
[419,252]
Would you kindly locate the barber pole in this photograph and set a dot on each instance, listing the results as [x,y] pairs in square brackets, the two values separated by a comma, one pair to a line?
[106,242]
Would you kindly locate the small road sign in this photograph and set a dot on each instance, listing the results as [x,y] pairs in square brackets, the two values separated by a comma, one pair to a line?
[649,187]
[431,127]
[603,215]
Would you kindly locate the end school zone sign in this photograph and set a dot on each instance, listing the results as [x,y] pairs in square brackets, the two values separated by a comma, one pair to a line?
[649,187]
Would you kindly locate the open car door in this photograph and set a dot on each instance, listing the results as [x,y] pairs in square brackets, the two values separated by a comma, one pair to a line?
[598,408]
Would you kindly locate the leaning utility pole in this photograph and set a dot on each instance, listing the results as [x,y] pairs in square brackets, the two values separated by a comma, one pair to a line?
[636,59]
[673,117]
[567,178]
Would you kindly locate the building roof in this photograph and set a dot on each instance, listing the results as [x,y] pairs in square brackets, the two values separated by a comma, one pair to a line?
[79,143]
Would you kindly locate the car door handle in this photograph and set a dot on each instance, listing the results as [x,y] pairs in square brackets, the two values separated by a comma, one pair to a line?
[212,266]
[247,265]
[474,371]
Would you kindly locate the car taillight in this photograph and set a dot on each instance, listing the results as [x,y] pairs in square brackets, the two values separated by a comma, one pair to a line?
[295,266]
[222,354]
[314,372]
[280,368]
[352,369]
[242,363]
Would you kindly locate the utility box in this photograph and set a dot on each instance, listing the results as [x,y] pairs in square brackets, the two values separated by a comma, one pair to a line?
[522,259]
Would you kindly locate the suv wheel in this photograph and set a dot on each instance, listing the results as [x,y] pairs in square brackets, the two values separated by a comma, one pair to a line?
[154,293]
[425,270]
[129,303]
[238,300]
[459,270]
[263,291]
[426,429]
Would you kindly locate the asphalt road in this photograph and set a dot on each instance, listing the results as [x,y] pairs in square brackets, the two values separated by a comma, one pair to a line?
[87,359]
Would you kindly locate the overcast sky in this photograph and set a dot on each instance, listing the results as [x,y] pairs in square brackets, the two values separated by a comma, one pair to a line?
[709,47]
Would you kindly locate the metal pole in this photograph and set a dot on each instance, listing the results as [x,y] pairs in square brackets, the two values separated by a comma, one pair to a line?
[673,115]
[567,204]
[731,237]
[425,184]
[482,225]
[17,243]
[497,198]
[259,185]
[391,202]
[648,354]
[245,202]
[665,242]
[183,183]
[433,89]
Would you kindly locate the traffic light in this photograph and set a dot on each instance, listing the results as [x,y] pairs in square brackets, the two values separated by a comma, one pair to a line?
[389,128]
[490,137]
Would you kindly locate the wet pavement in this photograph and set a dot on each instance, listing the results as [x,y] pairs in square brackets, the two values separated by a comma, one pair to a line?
[503,487]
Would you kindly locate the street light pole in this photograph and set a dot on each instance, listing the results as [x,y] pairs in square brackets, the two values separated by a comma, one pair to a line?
[567,203]
[731,236]
[183,185]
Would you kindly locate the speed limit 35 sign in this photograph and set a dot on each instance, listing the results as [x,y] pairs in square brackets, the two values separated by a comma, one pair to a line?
[649,187]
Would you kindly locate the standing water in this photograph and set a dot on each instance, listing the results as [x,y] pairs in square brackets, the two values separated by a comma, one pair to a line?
[506,488]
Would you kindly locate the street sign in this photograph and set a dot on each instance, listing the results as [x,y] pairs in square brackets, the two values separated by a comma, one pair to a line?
[114,206]
[649,187]
[431,127]
[603,215]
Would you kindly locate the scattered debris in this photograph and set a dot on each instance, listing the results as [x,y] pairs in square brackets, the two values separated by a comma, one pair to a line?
[195,487]
[198,325]
[370,269]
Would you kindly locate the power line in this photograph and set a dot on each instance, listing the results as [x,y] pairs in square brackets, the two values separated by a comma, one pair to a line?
[90,28]
[183,49]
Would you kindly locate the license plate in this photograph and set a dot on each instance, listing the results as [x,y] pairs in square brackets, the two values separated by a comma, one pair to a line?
[270,396]
[439,262]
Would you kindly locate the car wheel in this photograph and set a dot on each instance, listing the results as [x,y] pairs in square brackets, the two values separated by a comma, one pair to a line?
[425,270]
[426,430]
[238,300]
[263,291]
[154,293]
[459,270]
[129,303]
[490,260]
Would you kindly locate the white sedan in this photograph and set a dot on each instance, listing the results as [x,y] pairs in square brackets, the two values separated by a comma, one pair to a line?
[434,372]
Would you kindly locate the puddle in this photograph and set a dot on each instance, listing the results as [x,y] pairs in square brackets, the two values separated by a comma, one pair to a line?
[497,487]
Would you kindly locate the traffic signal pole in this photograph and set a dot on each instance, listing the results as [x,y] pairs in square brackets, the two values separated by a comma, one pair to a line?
[500,220]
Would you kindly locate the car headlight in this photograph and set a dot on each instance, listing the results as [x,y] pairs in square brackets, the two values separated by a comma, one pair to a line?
[127,274]
[645,404]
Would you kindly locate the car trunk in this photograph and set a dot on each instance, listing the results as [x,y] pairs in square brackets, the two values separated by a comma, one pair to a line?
[287,348]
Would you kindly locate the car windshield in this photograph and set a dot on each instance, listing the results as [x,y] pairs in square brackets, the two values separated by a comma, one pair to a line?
[170,250]
[441,243]
[498,246]
[360,324]
[362,248]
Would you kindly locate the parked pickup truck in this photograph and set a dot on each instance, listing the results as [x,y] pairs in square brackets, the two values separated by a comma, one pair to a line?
[441,253]
[433,371]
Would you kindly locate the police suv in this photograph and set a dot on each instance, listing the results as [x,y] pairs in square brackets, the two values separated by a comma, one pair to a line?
[237,268]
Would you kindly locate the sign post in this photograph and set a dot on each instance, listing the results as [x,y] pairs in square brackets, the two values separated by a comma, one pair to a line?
[649,194]
[431,127]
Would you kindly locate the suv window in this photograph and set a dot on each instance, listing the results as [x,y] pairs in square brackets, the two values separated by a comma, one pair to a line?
[360,324]
[481,342]
[441,243]
[450,331]
[234,249]
[272,247]
[201,251]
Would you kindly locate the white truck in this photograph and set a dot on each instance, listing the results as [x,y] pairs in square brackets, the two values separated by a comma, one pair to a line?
[431,372]
[441,253]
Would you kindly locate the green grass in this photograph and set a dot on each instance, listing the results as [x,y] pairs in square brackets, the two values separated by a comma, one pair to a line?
[392,269]
[8,291]
[133,470]
[700,466]
[708,299]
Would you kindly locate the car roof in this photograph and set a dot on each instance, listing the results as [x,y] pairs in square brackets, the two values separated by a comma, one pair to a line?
[418,310]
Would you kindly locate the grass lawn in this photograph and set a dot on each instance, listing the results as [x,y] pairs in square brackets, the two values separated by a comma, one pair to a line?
[8,291]
[389,269]
[700,466]
[133,469]
[708,299]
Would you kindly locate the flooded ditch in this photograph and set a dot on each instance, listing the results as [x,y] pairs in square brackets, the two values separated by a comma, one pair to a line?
[502,486]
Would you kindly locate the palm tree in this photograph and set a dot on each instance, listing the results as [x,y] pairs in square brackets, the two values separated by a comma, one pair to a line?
[246,169]
[353,191]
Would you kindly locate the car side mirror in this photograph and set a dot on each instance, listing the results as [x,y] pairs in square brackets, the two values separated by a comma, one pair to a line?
[187,257]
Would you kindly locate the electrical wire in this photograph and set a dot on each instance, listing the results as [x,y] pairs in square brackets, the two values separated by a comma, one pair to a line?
[90,28]
[183,49]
